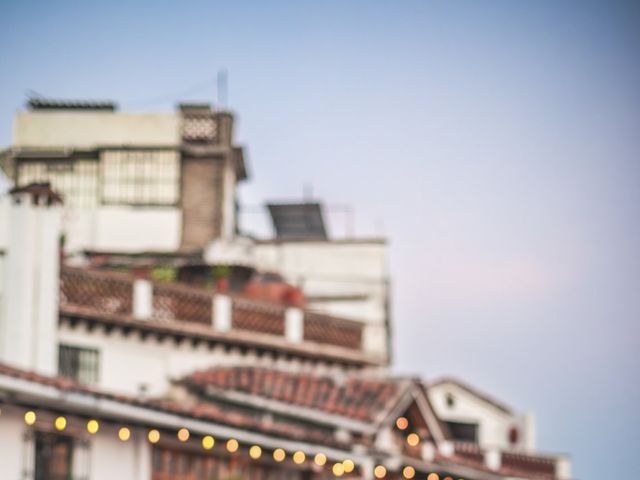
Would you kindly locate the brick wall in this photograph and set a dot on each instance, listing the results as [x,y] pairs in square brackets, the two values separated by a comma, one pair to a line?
[202,198]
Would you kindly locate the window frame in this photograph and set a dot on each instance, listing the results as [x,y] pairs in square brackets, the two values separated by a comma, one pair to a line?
[79,377]
[104,177]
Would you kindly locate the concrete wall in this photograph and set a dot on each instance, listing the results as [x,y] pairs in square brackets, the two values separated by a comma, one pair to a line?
[88,129]
[493,424]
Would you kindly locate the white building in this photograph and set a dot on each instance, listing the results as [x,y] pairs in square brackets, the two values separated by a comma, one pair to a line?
[115,374]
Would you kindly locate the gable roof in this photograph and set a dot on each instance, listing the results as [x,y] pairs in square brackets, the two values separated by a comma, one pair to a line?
[472,391]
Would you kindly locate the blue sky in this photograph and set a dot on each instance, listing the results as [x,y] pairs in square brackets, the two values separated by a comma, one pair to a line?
[495,143]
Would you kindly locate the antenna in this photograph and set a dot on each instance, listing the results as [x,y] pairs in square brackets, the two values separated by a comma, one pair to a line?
[307,192]
[222,89]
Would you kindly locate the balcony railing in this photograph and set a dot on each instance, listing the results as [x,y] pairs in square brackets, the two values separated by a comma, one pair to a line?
[114,293]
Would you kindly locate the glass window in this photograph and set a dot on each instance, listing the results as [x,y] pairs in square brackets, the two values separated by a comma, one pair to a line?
[79,364]
[75,180]
[140,177]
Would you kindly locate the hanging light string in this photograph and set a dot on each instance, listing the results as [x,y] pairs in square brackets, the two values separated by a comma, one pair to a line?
[255,452]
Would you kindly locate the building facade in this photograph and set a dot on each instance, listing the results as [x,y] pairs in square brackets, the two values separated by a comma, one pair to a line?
[119,360]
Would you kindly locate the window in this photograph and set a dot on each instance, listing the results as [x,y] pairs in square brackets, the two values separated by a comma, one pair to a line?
[54,457]
[79,364]
[451,401]
[467,432]
[75,180]
[140,177]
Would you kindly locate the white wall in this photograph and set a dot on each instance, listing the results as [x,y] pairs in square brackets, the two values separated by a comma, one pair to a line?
[493,424]
[112,458]
[28,312]
[127,363]
[339,269]
[12,450]
[88,129]
[122,228]
[107,458]
[112,228]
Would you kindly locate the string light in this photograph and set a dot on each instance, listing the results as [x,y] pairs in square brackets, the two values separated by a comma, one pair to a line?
[208,442]
[232,445]
[255,452]
[153,436]
[349,466]
[408,472]
[402,423]
[413,439]
[93,426]
[60,423]
[279,455]
[30,417]
[433,476]
[380,471]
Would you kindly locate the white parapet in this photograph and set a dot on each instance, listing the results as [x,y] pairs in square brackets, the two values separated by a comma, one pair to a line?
[563,468]
[374,339]
[428,451]
[446,448]
[142,299]
[294,324]
[222,311]
[529,424]
[493,459]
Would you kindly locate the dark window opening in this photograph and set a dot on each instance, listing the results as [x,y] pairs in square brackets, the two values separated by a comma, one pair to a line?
[467,432]
[54,456]
[78,364]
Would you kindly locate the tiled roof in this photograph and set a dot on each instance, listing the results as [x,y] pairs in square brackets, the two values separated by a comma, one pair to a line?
[358,398]
[229,416]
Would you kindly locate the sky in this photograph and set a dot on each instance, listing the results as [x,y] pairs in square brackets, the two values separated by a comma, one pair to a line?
[494,143]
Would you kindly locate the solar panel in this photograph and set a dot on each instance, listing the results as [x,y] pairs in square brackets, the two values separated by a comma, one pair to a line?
[298,221]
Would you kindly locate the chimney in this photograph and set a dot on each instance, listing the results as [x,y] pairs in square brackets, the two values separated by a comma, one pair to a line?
[29,310]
